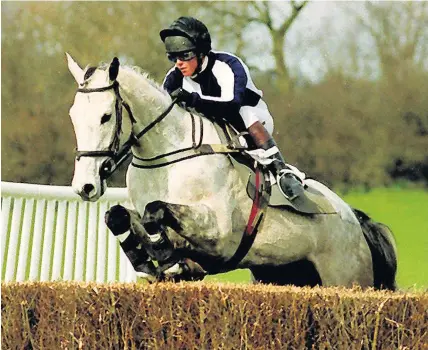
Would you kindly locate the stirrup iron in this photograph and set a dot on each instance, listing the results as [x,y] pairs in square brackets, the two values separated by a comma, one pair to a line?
[295,194]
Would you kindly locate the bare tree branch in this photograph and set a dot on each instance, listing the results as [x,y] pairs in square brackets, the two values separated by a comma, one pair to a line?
[239,16]
[265,13]
[263,16]
[398,31]
[295,12]
[297,7]
[258,7]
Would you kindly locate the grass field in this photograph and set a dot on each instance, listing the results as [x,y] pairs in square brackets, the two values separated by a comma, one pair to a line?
[405,211]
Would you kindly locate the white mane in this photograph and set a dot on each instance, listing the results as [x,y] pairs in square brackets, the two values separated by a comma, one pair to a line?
[149,100]
[145,75]
[135,79]
[132,78]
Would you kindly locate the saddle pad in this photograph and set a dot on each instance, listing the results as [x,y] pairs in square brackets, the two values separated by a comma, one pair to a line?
[311,202]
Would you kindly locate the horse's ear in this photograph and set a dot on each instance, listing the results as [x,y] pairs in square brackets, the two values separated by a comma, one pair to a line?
[114,69]
[75,70]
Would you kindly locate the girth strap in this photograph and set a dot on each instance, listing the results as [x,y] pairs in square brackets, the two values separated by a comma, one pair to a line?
[255,220]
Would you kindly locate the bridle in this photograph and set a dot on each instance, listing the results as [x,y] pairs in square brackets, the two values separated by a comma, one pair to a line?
[114,144]
[118,154]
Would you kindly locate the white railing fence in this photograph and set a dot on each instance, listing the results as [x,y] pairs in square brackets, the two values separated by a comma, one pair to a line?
[49,233]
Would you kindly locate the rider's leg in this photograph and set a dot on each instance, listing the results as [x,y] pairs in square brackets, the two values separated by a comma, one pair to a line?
[289,183]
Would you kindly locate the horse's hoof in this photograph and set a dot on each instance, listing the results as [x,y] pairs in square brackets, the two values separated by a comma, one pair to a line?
[146,277]
[117,219]
[185,270]
[175,269]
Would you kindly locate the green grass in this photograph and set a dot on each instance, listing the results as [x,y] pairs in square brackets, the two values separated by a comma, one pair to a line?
[237,276]
[405,211]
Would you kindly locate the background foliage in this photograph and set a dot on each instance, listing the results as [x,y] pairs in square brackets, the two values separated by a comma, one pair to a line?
[362,121]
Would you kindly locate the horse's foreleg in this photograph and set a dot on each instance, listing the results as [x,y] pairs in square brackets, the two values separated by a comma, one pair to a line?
[142,248]
[121,222]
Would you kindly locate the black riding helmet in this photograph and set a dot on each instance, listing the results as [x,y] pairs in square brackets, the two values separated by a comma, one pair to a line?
[187,33]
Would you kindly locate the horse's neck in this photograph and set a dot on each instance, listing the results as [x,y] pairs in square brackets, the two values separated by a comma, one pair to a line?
[147,103]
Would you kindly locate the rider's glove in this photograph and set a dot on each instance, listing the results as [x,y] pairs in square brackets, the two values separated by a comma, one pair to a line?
[182,96]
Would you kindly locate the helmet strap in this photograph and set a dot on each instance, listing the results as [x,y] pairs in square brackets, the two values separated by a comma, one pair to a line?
[200,59]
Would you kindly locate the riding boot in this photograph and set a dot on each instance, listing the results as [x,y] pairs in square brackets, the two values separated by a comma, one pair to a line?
[289,184]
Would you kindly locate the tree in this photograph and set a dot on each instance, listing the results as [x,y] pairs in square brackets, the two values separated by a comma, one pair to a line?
[377,61]
[259,16]
[399,33]
[37,89]
[352,125]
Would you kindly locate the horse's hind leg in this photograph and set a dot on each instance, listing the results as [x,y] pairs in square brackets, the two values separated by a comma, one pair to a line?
[159,223]
[196,225]
[183,270]
[120,221]
[191,228]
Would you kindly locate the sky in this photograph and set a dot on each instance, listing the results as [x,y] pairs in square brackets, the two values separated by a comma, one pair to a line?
[315,18]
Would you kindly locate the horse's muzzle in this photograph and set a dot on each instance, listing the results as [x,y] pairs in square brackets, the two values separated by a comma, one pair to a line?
[87,192]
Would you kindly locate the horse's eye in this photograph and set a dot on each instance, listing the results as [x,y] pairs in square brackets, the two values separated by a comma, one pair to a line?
[105,118]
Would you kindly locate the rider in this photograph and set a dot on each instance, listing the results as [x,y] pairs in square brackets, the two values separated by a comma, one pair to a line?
[218,85]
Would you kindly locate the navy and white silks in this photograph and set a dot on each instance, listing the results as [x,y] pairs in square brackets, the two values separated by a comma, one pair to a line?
[223,89]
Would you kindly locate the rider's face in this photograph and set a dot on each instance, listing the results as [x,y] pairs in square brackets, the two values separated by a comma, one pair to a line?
[187,68]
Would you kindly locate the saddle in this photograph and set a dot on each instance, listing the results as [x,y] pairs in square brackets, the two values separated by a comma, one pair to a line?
[238,146]
[311,202]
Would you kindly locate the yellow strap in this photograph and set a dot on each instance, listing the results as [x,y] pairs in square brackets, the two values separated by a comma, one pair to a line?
[217,148]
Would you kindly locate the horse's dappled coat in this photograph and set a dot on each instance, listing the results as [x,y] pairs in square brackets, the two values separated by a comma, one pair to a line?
[206,196]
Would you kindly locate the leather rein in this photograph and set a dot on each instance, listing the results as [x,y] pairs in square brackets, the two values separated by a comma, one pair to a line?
[118,154]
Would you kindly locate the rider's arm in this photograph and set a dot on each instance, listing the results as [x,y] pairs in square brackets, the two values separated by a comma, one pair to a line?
[173,80]
[232,80]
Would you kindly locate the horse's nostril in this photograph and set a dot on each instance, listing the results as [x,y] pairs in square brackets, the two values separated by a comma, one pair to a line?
[88,188]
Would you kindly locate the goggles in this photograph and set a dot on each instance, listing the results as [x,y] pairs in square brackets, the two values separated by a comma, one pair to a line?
[182,56]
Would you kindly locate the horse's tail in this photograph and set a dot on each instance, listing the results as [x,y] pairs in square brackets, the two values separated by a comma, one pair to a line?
[383,249]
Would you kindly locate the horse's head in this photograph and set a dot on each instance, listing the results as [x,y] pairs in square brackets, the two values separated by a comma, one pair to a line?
[96,115]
